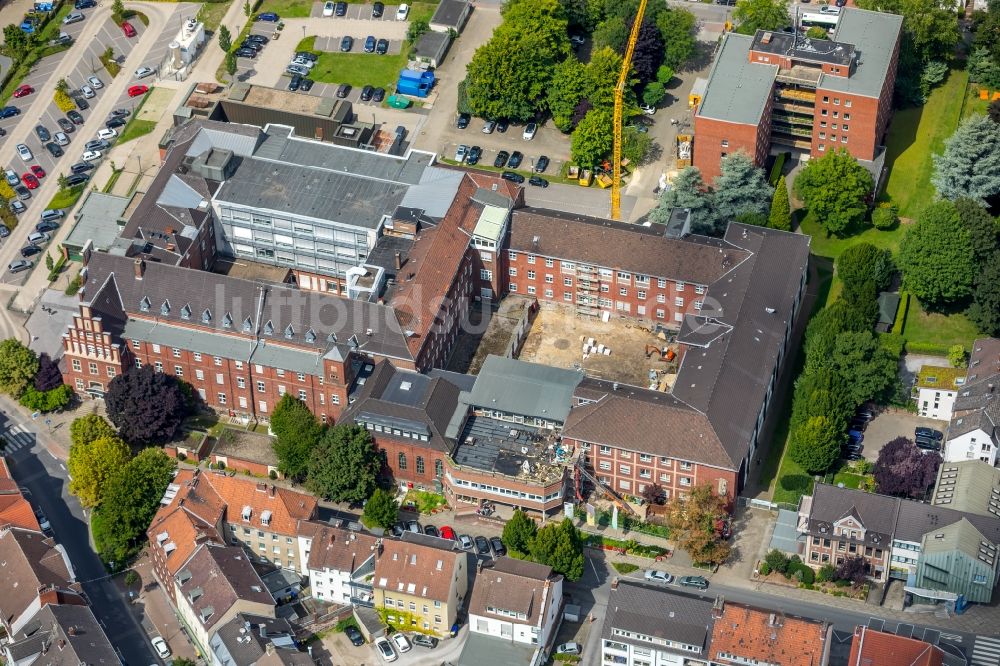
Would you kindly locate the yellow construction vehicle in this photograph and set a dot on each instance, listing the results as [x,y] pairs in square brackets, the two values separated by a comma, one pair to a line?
[616,160]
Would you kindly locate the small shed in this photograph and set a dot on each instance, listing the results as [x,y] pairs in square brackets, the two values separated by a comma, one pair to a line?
[430,50]
[888,304]
[451,15]
[98,219]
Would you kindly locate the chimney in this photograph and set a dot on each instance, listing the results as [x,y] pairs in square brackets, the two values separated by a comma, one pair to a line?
[479,566]
[71,631]
[272,490]
[140,268]
[614,583]
[397,261]
[718,607]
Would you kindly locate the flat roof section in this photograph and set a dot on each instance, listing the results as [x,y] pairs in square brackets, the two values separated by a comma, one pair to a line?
[512,449]
[800,47]
[874,35]
[737,88]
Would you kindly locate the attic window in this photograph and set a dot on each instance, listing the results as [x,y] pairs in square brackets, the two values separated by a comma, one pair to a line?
[247,512]
[440,565]
[206,613]
[310,335]
[186,311]
[405,386]
[265,518]
[169,548]
[289,331]
[247,325]
[144,304]
[161,537]
[227,321]
[196,594]
[413,559]
[268,328]
[940,535]
[206,316]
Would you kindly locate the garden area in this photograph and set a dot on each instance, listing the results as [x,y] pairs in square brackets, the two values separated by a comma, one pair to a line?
[423,502]
[355,69]
[848,580]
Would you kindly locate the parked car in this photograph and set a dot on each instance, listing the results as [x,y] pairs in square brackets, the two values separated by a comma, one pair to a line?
[928,444]
[482,546]
[466,542]
[423,640]
[305,85]
[385,649]
[50,214]
[461,153]
[463,120]
[366,93]
[269,17]
[43,133]
[9,112]
[160,646]
[431,530]
[300,70]
[128,29]
[569,648]
[489,126]
[659,577]
[81,167]
[256,47]
[17,208]
[538,181]
[97,144]
[45,227]
[137,91]
[647,109]
[106,133]
[304,62]
[77,179]
[22,192]
[340,9]
[73,17]
[377,10]
[30,251]
[91,155]
[19,265]
[54,149]
[38,171]
[114,122]
[928,433]
[398,529]
[11,177]
[65,125]
[80,100]
[38,238]
[30,181]
[260,39]
[74,117]
[855,436]
[513,177]
[382,47]
[402,12]
[84,4]
[95,82]
[413,526]
[370,44]
[143,72]
[23,91]
[515,160]
[23,152]
[448,533]
[347,43]
[399,639]
[294,82]
[378,95]
[699,582]
[352,632]
[498,548]
[529,131]
[501,159]
[327,9]
[61,139]
[343,90]
[306,55]
[475,152]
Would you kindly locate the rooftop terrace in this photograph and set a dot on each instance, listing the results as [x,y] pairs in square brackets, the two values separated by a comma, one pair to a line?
[511,449]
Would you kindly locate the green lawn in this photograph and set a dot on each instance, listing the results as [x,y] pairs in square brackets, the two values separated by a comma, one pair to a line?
[934,329]
[287,8]
[136,128]
[356,69]
[66,198]
[831,247]
[916,134]
[211,14]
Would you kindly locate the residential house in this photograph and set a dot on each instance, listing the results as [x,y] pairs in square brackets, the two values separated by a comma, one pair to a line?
[420,583]
[247,639]
[518,601]
[60,635]
[15,510]
[936,388]
[214,585]
[974,430]
[971,486]
[870,647]
[341,565]
[646,625]
[35,572]
[745,635]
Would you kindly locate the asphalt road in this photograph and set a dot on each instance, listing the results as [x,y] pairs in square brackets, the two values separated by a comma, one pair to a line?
[47,480]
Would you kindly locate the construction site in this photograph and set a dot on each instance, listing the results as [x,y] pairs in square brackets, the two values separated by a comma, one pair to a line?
[619,349]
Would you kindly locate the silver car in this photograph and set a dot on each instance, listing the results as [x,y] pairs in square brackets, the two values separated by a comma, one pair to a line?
[143,72]
[61,138]
[24,153]
[96,82]
[87,92]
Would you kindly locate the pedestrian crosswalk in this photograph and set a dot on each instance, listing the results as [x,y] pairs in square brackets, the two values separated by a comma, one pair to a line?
[986,651]
[17,437]
[954,638]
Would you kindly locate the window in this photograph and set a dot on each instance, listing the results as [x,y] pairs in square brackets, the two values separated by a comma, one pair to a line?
[176,352]
[567,282]
[531,290]
[485,274]
[438,468]
[823,112]
[822,123]
[402,461]
[844,127]
[679,302]
[512,271]
[548,293]
[111,371]
[241,382]
[847,103]
[623,291]
[549,263]
[605,450]
[624,277]
[199,374]
[641,294]
[420,464]
[512,286]
[512,255]
[822,147]
[217,360]
[625,469]
[531,258]
[679,286]
[606,465]
[531,275]
[197,356]
[843,139]
[178,371]
[549,278]
[659,314]
[822,135]
[847,116]
[222,398]
[725,143]
[76,365]
[302,395]
[260,387]
[334,399]
[158,364]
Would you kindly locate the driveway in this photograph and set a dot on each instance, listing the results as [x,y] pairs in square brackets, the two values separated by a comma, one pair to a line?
[893,423]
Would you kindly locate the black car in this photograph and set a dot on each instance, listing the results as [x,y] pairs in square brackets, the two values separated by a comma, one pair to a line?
[542,164]
[97,144]
[260,39]
[307,55]
[65,125]
[366,93]
[347,43]
[430,530]
[246,53]
[121,113]
[306,85]
[398,529]
[74,117]
[423,640]
[54,149]
[515,160]
[354,636]
[482,546]
[340,9]
[84,4]
[81,167]
[81,103]
[48,225]
[343,90]
[858,424]
[512,177]
[382,47]
[4,231]
[502,125]
[463,120]
[22,192]
[254,46]
[413,526]
[377,10]
[498,546]
[698,582]
[30,251]
[43,133]
[114,121]
[501,159]
[77,179]
[370,44]
[928,433]
[293,84]
[474,154]
[928,444]
[538,181]
[378,95]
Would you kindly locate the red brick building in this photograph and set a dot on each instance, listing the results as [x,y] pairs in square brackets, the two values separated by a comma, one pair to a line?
[778,91]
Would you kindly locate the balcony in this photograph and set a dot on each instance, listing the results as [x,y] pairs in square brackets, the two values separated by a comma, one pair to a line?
[797,95]
[793,108]
[800,75]
[792,119]
[791,141]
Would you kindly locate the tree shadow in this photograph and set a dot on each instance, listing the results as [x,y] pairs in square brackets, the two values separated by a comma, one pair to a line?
[796,483]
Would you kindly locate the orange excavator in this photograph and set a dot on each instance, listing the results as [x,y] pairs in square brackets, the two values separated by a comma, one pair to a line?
[666,354]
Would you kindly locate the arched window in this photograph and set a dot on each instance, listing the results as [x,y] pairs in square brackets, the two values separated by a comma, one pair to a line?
[402,461]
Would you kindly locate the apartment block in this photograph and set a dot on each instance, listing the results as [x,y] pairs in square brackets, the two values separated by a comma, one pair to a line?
[517,601]
[783,91]
[936,389]
[974,430]
[341,564]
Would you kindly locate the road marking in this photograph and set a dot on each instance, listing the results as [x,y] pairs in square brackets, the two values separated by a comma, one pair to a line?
[986,651]
[63,467]
[951,637]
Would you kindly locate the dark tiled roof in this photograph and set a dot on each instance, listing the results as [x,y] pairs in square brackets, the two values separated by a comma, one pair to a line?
[513,585]
[917,519]
[69,636]
[622,246]
[246,638]
[30,562]
[338,549]
[877,513]
[658,613]
[215,578]
[414,567]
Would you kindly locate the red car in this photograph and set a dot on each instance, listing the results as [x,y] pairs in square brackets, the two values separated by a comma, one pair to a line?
[128,29]
[29,181]
[38,171]
[136,91]
[23,91]
[448,533]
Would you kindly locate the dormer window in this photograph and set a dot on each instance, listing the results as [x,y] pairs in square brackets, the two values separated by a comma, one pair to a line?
[144,304]
[310,335]
[206,316]
[186,311]
[247,325]
[165,308]
[289,331]
[247,512]
[265,518]
[227,321]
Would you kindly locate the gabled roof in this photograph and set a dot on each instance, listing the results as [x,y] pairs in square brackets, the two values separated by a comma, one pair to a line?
[515,586]
[659,613]
[215,578]
[247,638]
[31,563]
[876,513]
[15,510]
[528,389]
[416,569]
[67,635]
[337,549]
[762,636]
[877,648]
[185,521]
[972,486]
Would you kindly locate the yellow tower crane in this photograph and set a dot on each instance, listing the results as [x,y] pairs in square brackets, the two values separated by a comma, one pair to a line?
[616,163]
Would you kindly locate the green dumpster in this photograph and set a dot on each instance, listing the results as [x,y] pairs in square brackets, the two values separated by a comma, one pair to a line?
[397,102]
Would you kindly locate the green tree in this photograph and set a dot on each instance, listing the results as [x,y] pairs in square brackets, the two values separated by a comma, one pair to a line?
[569,84]
[91,465]
[230,63]
[17,43]
[46,401]
[677,27]
[739,188]
[816,32]
[381,509]
[753,15]
[984,311]
[62,85]
[871,366]
[982,227]
[654,93]
[62,182]
[970,164]
[834,188]
[118,11]
[957,357]
[611,34]
[602,77]
[636,145]
[822,394]
[692,520]
[885,216]
[687,191]
[560,546]
[247,11]
[664,75]
[777,561]
[296,433]
[86,429]
[344,465]
[129,502]
[780,216]
[18,366]
[864,268]
[519,533]
[593,138]
[815,444]
[936,257]
[225,39]
[830,322]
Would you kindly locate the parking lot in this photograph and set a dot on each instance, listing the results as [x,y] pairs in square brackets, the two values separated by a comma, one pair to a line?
[890,424]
